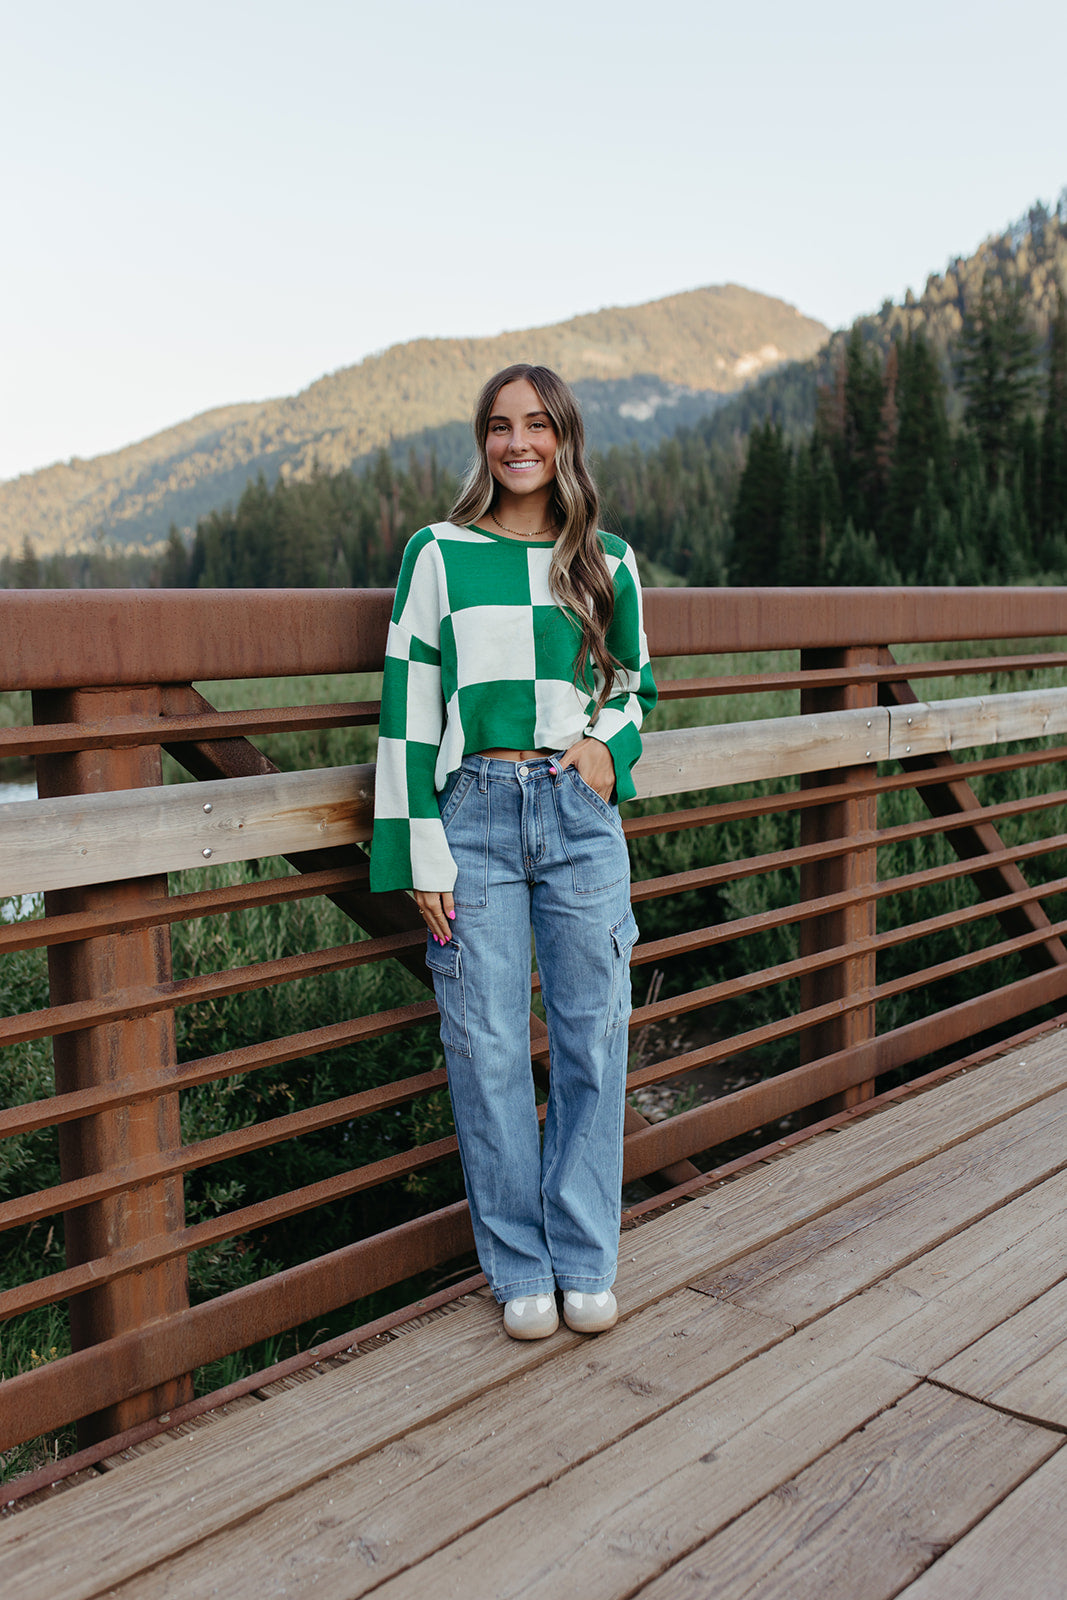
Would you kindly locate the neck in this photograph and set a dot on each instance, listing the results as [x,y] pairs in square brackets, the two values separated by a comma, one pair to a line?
[524,515]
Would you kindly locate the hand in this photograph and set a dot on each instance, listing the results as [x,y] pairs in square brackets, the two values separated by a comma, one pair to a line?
[592,759]
[438,911]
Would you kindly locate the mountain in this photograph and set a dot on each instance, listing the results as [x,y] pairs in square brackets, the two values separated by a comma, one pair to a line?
[641,372]
[1029,258]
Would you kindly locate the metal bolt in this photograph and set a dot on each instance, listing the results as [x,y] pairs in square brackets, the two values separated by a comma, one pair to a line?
[868,724]
[206,853]
[907,748]
[868,755]
[909,722]
[207,805]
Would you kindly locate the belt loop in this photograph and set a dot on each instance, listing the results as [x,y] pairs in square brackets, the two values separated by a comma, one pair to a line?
[483,775]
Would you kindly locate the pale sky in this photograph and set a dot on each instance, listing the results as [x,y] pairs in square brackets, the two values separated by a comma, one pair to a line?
[220,200]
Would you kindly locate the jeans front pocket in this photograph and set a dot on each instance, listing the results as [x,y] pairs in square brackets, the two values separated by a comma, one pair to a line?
[591,833]
[623,939]
[445,962]
[465,818]
[451,797]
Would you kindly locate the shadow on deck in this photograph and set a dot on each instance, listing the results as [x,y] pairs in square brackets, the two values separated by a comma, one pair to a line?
[841,1374]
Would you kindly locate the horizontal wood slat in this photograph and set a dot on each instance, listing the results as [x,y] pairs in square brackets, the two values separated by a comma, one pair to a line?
[131,833]
[924,729]
[75,840]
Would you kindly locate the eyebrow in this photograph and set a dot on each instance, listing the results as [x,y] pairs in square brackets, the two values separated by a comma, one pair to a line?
[527,416]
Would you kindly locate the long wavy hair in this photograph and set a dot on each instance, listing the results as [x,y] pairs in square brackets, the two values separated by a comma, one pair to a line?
[578,576]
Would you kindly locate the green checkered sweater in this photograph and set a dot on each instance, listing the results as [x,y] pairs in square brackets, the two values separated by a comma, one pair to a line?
[481,657]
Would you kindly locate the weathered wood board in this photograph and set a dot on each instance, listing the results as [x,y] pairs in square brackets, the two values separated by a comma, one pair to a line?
[637,1456]
[346,1535]
[1021,1365]
[872,1513]
[1017,1552]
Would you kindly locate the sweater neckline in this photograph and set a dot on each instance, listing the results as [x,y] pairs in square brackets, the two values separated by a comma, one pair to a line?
[502,538]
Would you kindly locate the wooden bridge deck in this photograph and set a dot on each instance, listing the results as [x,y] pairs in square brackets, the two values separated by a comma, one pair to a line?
[842,1374]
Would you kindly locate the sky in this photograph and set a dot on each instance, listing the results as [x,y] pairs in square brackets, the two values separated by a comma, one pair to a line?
[221,200]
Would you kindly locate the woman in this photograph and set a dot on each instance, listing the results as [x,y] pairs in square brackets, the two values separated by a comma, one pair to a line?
[516,679]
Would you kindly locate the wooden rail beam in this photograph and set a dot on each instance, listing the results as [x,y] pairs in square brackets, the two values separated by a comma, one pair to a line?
[134,1048]
[929,749]
[853,818]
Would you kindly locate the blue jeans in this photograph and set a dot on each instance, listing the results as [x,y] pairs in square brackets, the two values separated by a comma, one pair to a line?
[537,850]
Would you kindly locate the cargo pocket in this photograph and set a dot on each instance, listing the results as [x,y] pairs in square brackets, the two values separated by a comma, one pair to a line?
[444,962]
[623,939]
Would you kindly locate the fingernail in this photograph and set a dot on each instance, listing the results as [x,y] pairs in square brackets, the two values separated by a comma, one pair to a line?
[553,771]
[452,914]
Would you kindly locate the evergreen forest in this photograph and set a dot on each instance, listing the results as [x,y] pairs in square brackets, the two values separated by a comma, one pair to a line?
[927,444]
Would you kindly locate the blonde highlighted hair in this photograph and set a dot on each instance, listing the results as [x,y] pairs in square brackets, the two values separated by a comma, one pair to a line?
[578,575]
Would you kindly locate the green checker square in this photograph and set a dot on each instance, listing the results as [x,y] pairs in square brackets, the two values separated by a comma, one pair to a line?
[428,654]
[449,681]
[394,699]
[500,714]
[625,621]
[415,545]
[420,761]
[390,853]
[557,638]
[486,574]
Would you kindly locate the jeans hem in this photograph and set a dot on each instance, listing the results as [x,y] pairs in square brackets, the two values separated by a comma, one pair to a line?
[526,1288]
[581,1285]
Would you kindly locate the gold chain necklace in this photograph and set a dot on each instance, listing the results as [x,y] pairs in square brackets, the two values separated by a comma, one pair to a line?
[514,532]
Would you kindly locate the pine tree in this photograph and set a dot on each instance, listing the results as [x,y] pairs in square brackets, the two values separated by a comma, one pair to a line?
[922,448]
[1052,516]
[996,359]
[759,511]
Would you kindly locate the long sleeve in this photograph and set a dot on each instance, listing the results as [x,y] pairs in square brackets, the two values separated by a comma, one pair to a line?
[409,849]
[635,694]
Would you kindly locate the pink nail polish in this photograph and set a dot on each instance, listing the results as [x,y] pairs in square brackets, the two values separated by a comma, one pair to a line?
[452,914]
[553,771]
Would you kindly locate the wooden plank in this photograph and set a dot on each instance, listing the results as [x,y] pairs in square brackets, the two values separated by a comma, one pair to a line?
[348,1534]
[324,1425]
[872,1513]
[616,1521]
[207,1419]
[1020,1365]
[771,747]
[73,841]
[769,1202]
[974,1289]
[1020,1549]
[983,1276]
[925,727]
[821,1264]
[86,839]
[349,1413]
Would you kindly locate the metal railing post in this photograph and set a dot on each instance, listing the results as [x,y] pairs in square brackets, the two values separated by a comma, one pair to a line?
[135,1047]
[844,819]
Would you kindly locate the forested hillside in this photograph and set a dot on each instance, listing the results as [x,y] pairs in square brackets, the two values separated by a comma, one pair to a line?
[927,444]
[641,369]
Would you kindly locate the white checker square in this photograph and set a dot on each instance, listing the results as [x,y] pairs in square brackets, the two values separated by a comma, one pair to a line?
[424,710]
[560,713]
[432,866]
[538,564]
[390,780]
[494,642]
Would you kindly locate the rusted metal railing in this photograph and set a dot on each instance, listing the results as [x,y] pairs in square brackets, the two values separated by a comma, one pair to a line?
[112,678]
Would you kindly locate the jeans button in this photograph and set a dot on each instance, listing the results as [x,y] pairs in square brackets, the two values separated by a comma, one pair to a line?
[524,772]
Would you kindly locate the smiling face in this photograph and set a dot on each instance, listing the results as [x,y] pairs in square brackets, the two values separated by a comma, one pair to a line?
[520,444]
